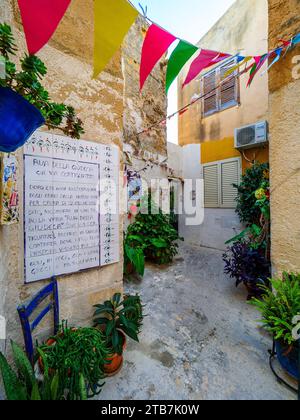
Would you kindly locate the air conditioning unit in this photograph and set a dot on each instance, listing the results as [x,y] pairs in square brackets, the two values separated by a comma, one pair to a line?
[255,135]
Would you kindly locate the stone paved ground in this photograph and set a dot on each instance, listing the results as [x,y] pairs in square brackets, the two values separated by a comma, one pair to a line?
[199,341]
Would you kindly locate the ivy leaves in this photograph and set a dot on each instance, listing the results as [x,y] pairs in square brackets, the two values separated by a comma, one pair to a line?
[7,42]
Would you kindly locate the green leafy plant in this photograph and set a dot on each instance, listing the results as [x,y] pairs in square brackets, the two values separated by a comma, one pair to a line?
[157,237]
[134,254]
[27,83]
[247,265]
[262,196]
[279,306]
[247,208]
[116,315]
[78,357]
[254,232]
[22,385]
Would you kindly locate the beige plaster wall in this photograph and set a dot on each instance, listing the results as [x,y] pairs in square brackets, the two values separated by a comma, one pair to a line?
[243,28]
[284,18]
[99,103]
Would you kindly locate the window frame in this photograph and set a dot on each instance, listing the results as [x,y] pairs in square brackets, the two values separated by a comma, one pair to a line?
[228,105]
[219,164]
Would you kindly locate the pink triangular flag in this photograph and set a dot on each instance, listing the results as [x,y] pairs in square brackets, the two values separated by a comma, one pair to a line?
[259,62]
[40,20]
[205,59]
[156,43]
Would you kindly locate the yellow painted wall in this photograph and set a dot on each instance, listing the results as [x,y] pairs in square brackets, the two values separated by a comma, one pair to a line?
[218,150]
[214,151]
[243,28]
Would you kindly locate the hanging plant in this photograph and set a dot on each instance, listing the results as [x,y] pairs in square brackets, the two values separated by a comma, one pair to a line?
[29,103]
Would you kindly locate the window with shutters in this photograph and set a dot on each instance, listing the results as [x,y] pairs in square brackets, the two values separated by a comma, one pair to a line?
[221,91]
[219,178]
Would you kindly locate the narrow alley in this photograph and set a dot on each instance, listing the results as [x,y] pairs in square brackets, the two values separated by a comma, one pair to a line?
[200,340]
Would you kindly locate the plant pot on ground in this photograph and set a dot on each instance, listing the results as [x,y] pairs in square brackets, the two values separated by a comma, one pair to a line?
[248,266]
[280,307]
[118,319]
[115,360]
[288,357]
[134,260]
[74,354]
[154,233]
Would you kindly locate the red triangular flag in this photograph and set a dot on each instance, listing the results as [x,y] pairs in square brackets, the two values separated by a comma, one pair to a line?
[205,59]
[40,19]
[156,43]
[183,111]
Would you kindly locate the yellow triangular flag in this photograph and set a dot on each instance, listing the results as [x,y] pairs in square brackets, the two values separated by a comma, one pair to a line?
[113,18]
[236,67]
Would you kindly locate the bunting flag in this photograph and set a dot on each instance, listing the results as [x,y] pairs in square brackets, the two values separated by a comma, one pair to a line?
[113,20]
[259,62]
[241,62]
[296,39]
[40,20]
[205,59]
[183,112]
[277,52]
[156,43]
[180,56]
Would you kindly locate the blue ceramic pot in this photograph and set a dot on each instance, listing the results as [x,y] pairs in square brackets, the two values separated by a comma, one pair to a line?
[288,358]
[18,120]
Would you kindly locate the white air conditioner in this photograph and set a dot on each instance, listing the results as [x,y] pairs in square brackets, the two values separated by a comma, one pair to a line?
[255,135]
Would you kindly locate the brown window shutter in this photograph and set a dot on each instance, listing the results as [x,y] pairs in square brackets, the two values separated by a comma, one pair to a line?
[229,89]
[210,103]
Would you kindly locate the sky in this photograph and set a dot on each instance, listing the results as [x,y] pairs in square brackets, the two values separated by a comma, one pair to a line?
[186,19]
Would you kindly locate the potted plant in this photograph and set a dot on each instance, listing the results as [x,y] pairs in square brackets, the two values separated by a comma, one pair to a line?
[118,319]
[22,385]
[279,307]
[159,238]
[72,353]
[134,259]
[25,104]
[248,265]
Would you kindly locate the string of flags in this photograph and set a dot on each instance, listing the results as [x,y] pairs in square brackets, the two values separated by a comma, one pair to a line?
[113,20]
[195,99]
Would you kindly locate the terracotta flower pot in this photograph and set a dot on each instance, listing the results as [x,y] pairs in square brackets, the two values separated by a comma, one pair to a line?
[129,268]
[50,342]
[115,361]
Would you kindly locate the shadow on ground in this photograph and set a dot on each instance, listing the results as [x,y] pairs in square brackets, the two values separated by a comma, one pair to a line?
[200,339]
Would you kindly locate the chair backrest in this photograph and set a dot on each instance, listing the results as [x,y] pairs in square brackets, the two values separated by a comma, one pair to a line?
[26,310]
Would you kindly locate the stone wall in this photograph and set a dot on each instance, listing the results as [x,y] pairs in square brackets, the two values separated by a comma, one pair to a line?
[110,109]
[143,109]
[284,22]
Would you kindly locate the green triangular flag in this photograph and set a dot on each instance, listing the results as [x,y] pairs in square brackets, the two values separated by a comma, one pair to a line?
[182,53]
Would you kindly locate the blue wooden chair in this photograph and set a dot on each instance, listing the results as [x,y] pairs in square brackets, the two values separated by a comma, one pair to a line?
[25,311]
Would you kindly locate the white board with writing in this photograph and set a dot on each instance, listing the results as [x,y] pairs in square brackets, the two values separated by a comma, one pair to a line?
[71,206]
